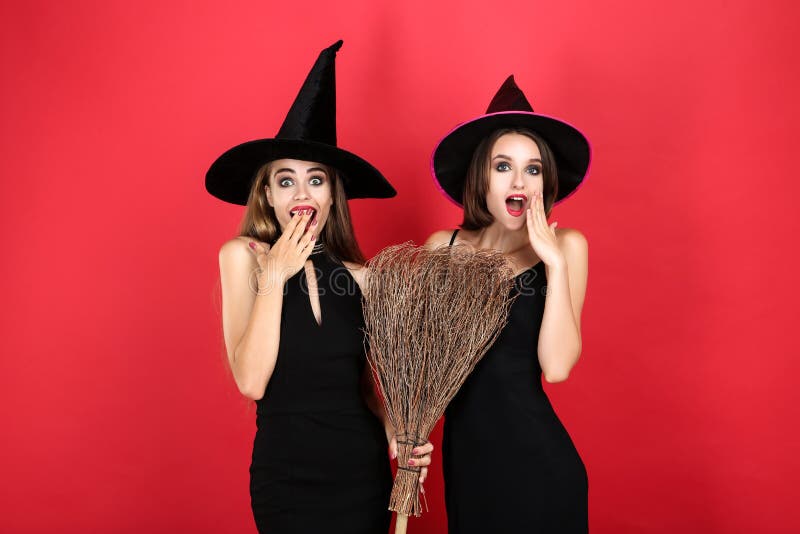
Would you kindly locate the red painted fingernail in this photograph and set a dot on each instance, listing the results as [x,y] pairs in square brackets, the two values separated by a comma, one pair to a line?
[313,237]
[411,462]
[252,245]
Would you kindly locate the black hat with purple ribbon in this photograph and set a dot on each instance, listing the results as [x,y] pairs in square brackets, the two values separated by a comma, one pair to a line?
[510,109]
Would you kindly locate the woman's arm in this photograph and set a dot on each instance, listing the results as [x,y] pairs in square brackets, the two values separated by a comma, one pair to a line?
[250,322]
[560,333]
[251,305]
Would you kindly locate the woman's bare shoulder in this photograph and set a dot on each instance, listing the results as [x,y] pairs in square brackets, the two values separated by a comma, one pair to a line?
[237,252]
[575,247]
[571,238]
[440,237]
[357,270]
[352,266]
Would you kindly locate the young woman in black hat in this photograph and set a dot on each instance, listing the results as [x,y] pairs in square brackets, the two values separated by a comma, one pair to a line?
[292,320]
[507,169]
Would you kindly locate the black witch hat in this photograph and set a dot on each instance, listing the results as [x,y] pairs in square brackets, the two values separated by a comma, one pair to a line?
[509,108]
[308,133]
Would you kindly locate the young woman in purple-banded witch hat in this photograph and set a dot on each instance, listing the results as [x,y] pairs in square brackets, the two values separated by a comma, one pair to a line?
[507,169]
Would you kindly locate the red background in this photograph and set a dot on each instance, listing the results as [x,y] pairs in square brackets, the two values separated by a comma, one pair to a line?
[116,409]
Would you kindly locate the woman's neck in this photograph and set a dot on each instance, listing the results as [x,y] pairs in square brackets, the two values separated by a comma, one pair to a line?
[498,237]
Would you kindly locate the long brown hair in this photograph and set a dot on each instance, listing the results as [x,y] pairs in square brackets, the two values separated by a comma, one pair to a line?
[476,185]
[259,220]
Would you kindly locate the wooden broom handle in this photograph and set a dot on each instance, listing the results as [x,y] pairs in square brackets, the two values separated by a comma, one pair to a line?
[400,524]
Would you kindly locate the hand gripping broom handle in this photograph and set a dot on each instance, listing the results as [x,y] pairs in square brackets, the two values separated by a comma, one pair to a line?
[405,491]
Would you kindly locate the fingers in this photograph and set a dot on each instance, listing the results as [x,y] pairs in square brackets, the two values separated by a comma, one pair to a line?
[260,252]
[306,252]
[393,448]
[422,455]
[537,220]
[540,211]
[423,474]
[256,248]
[299,229]
[533,233]
[529,220]
[423,461]
[533,210]
[537,208]
[306,239]
[422,449]
[290,228]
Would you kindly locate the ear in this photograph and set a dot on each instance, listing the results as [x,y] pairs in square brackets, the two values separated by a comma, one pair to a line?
[268,191]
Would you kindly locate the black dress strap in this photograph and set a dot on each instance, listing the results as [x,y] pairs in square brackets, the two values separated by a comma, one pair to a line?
[452,239]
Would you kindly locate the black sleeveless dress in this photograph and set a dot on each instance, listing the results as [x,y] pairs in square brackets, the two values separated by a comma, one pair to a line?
[538,482]
[320,461]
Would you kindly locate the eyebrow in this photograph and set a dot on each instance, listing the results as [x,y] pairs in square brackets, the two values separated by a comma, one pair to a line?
[312,169]
[503,156]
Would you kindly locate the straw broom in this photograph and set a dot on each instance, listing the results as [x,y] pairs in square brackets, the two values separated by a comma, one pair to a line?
[430,315]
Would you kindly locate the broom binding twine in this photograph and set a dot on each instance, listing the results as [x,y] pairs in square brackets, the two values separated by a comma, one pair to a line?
[405,491]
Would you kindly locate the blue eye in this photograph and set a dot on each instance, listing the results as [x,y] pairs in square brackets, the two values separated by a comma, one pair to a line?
[534,169]
[285,182]
[503,166]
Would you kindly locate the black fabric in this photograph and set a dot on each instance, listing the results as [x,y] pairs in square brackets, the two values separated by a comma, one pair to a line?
[509,108]
[313,112]
[453,238]
[320,460]
[503,411]
[308,133]
[509,97]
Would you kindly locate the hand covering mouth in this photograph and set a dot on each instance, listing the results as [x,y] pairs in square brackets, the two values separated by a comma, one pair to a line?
[304,207]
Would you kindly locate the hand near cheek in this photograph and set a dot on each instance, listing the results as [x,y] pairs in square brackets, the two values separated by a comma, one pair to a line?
[543,237]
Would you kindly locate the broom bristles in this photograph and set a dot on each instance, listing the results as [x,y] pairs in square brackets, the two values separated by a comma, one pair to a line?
[430,315]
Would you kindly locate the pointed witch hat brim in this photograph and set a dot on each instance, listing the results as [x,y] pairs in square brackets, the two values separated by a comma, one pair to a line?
[510,109]
[308,133]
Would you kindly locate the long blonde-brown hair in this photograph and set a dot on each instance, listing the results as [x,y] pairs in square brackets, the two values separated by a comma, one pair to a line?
[260,222]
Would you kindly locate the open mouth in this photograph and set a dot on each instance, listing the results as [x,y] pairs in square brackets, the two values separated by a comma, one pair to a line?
[312,221]
[515,204]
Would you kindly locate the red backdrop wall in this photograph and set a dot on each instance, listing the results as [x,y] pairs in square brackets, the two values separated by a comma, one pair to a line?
[116,408]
